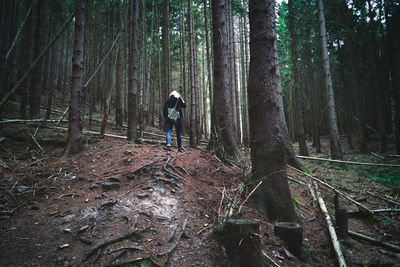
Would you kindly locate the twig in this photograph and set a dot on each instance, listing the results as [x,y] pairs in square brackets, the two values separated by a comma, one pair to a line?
[220,203]
[254,189]
[350,162]
[374,241]
[208,226]
[34,139]
[332,232]
[334,189]
[376,155]
[177,166]
[269,258]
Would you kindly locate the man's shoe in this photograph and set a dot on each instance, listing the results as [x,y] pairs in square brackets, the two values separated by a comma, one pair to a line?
[181,149]
[168,147]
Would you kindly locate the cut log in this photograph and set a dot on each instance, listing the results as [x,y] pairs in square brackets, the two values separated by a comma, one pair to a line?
[291,234]
[243,246]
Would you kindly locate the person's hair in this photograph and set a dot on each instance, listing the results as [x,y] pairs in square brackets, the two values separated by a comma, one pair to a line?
[174,94]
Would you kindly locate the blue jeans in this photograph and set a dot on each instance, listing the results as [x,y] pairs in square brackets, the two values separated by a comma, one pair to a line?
[178,127]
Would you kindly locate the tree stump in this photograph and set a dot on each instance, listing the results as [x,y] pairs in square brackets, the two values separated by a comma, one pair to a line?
[243,245]
[342,221]
[291,234]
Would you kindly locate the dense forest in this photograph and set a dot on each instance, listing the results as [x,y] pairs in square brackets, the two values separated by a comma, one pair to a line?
[267,83]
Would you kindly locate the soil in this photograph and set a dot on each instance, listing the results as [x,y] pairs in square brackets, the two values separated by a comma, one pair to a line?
[119,202]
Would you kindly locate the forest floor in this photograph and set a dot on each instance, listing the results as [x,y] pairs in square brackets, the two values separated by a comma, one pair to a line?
[119,202]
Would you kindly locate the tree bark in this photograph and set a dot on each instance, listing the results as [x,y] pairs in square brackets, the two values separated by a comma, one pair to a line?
[336,152]
[222,138]
[192,85]
[118,75]
[133,71]
[36,82]
[394,50]
[267,123]
[77,100]
[296,83]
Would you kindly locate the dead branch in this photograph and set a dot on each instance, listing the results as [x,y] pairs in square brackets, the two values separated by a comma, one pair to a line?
[374,241]
[295,180]
[383,198]
[96,248]
[332,232]
[350,162]
[376,155]
[36,142]
[334,189]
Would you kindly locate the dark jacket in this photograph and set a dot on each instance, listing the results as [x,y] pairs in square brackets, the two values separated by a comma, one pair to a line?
[171,102]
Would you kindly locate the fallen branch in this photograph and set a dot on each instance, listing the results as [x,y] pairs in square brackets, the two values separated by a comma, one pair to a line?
[376,155]
[350,162]
[36,142]
[334,189]
[332,232]
[374,241]
[295,180]
[94,249]
[384,198]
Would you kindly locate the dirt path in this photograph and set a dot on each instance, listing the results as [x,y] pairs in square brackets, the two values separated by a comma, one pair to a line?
[118,203]
[165,199]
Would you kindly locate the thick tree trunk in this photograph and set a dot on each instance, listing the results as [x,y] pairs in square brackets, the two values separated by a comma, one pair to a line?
[77,100]
[296,83]
[267,123]
[222,138]
[133,71]
[336,152]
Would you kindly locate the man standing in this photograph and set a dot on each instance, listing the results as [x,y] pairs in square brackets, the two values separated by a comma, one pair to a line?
[174,104]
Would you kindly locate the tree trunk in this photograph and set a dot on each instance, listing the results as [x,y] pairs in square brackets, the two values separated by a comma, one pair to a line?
[267,123]
[165,71]
[192,86]
[222,138]
[336,152]
[77,100]
[118,75]
[394,50]
[296,84]
[133,70]
[36,82]
[208,53]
